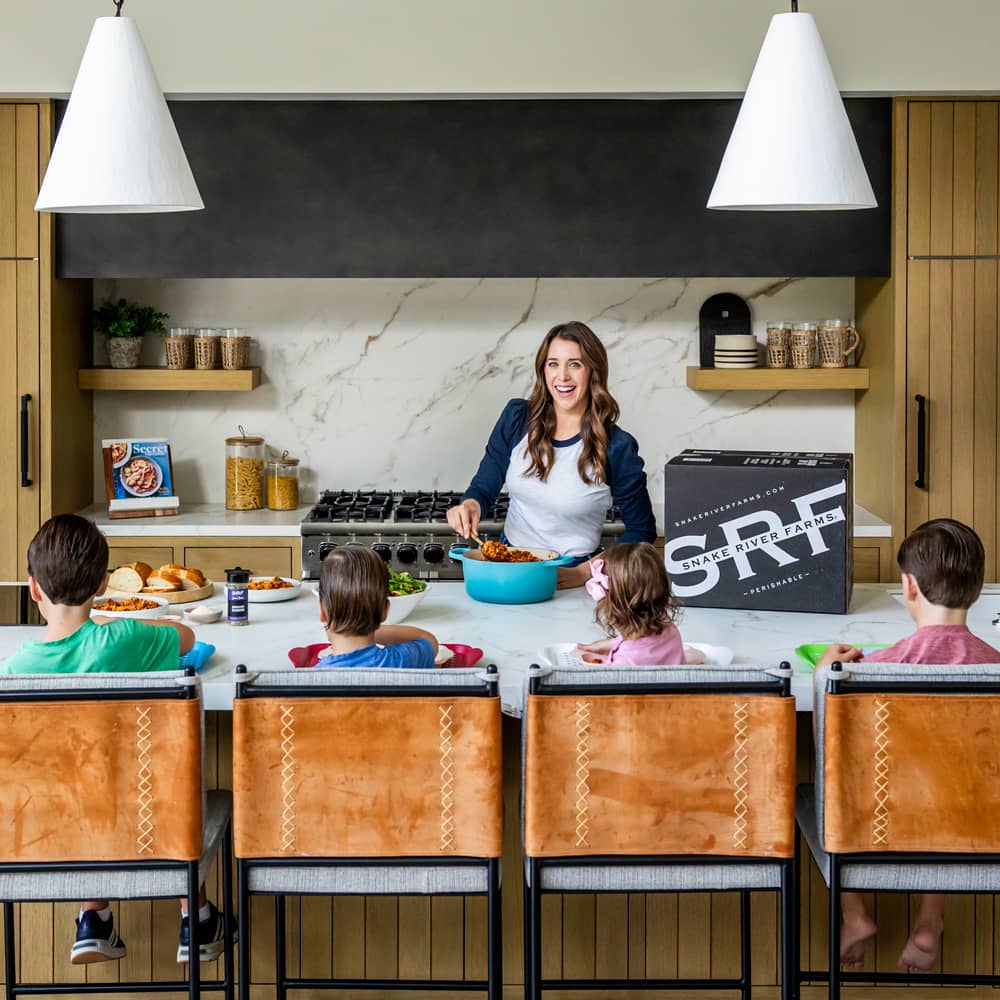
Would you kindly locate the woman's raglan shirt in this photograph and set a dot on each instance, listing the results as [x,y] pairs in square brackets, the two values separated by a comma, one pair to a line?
[563,513]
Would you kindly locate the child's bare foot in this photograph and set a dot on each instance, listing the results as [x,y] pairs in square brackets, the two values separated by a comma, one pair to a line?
[855,931]
[921,949]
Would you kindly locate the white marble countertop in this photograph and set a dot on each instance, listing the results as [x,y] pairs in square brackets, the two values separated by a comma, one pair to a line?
[201,519]
[511,636]
[214,519]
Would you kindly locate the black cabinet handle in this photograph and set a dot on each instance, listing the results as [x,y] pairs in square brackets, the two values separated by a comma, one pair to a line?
[921,480]
[25,399]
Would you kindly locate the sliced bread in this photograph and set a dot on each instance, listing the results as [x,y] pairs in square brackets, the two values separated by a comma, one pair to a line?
[191,578]
[130,578]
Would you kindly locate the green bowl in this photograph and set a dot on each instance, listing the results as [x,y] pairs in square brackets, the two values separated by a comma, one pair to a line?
[812,651]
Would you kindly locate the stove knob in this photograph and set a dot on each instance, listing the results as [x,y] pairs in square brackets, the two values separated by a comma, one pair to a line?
[433,553]
[382,550]
[325,549]
[310,553]
[406,553]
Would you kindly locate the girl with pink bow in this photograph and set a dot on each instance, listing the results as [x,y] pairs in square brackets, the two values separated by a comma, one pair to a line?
[635,607]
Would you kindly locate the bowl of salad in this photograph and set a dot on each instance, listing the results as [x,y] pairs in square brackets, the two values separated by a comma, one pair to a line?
[405,593]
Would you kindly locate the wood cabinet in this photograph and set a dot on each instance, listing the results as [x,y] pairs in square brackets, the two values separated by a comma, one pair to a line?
[45,421]
[932,330]
[213,555]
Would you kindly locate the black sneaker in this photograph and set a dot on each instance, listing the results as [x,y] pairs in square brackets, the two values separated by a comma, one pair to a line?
[96,940]
[211,936]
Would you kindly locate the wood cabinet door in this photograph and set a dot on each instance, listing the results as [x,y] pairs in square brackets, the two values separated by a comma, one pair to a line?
[213,561]
[952,197]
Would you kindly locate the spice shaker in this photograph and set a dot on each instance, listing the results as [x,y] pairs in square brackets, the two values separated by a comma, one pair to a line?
[238,596]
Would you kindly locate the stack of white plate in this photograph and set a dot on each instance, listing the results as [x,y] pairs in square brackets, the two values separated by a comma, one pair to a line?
[735,350]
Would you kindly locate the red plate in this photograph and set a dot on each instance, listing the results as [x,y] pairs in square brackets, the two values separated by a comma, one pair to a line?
[465,656]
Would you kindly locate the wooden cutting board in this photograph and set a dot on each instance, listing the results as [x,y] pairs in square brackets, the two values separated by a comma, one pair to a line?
[171,597]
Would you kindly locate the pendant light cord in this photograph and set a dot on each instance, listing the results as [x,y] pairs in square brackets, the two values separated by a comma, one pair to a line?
[118,7]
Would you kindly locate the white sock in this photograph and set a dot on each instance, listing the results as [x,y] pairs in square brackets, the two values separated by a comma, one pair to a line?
[104,914]
[204,912]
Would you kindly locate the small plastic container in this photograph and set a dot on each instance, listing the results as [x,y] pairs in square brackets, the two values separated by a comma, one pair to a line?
[238,596]
[179,347]
[283,483]
[244,472]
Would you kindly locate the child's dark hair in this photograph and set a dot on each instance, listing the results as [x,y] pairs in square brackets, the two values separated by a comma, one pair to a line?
[353,590]
[68,557]
[639,602]
[947,560]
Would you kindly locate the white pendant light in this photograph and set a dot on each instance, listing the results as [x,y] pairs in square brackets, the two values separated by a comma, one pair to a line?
[117,149]
[792,146]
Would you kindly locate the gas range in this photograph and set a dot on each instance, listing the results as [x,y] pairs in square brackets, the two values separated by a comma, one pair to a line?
[408,529]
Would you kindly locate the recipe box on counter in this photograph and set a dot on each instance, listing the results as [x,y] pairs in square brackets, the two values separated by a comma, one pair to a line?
[760,530]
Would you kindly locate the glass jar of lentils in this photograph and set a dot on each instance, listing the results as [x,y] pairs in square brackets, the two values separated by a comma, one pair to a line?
[244,472]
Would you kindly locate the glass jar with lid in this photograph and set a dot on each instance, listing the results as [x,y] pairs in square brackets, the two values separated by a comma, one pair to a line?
[244,472]
[283,483]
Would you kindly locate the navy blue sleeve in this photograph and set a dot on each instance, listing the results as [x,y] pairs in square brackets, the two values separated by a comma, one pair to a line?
[489,479]
[627,481]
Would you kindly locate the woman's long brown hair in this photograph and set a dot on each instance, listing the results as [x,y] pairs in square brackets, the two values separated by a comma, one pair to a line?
[600,417]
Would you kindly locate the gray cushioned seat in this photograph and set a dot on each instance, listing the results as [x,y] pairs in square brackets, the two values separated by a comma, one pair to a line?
[389,879]
[698,877]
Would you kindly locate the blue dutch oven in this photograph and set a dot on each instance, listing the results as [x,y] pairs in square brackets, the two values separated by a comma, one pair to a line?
[509,583]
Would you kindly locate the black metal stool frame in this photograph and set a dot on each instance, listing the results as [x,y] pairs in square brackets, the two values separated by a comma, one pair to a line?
[836,976]
[493,984]
[788,891]
[193,984]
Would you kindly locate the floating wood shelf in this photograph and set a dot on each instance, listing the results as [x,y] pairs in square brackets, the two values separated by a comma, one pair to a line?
[179,380]
[722,379]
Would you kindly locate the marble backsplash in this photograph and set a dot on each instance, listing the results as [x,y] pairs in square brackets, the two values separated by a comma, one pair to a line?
[396,384]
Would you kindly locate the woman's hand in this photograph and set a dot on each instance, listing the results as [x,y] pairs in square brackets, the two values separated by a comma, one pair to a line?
[568,577]
[464,517]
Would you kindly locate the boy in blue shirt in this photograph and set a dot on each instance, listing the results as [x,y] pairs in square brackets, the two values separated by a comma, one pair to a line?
[353,603]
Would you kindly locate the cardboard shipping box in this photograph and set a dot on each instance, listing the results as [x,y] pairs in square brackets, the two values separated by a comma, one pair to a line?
[767,531]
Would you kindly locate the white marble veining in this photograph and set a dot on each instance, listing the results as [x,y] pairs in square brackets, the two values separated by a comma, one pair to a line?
[396,383]
[213,519]
[511,636]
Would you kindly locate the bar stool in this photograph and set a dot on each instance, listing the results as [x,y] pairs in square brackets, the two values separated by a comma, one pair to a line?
[367,782]
[659,780]
[907,792]
[117,815]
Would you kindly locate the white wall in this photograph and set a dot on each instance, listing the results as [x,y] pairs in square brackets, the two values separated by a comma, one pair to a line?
[396,383]
[403,47]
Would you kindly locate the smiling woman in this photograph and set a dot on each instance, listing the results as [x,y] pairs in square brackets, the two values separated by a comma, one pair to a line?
[562,458]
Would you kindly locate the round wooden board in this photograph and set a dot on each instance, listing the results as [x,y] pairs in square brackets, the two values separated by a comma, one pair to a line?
[171,597]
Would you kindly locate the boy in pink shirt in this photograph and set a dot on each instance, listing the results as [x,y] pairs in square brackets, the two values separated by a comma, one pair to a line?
[942,564]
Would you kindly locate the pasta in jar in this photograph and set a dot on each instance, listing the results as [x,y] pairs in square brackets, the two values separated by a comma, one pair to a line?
[244,473]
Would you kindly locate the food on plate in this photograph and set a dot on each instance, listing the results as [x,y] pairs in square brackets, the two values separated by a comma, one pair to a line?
[116,604]
[118,451]
[167,583]
[141,476]
[130,577]
[191,578]
[275,583]
[498,552]
[402,585]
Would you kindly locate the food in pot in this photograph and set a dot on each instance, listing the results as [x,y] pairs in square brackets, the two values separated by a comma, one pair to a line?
[402,585]
[498,552]
[275,583]
[141,476]
[127,604]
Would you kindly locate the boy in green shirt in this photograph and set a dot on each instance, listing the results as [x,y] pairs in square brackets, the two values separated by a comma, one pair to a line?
[67,569]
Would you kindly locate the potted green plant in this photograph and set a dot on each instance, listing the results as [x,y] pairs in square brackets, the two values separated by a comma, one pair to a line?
[123,324]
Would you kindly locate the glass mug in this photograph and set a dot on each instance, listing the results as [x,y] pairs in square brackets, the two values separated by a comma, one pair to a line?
[838,340]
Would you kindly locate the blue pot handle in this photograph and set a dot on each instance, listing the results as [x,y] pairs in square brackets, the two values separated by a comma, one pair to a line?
[458,550]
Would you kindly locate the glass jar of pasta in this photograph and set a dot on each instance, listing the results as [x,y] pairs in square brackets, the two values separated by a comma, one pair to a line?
[283,483]
[244,472]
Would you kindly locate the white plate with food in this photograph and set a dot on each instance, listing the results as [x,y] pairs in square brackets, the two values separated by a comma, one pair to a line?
[270,589]
[566,654]
[141,476]
[121,452]
[139,606]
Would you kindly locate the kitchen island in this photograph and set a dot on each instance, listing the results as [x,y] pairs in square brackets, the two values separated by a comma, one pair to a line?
[617,935]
